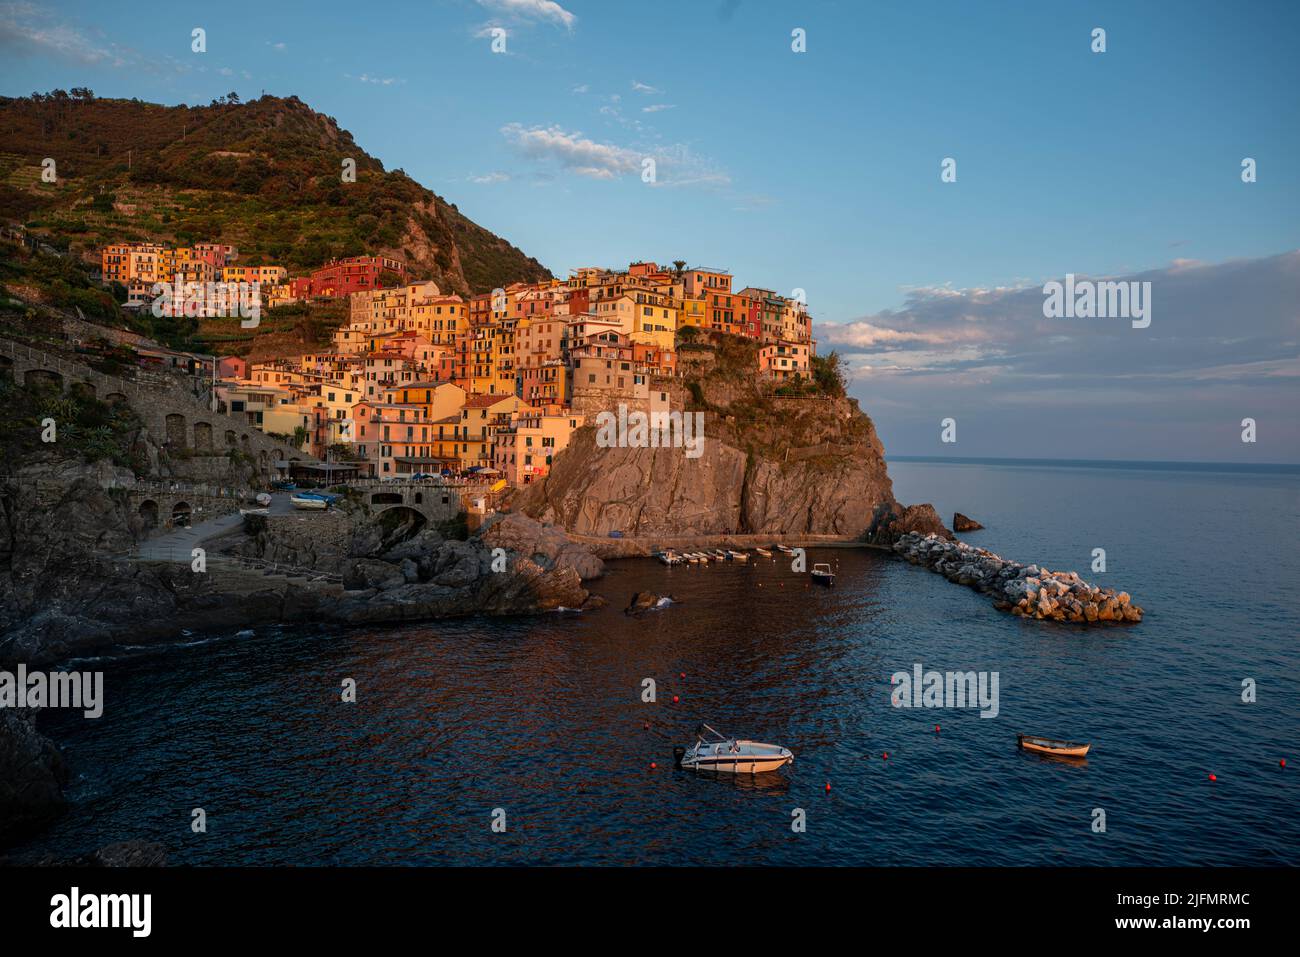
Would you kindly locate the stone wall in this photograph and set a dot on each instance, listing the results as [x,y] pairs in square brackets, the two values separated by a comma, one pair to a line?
[174,418]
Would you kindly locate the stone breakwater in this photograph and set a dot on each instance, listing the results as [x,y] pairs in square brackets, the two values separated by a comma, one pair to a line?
[1027,591]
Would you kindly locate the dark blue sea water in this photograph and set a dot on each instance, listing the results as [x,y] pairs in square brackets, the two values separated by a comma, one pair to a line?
[543,717]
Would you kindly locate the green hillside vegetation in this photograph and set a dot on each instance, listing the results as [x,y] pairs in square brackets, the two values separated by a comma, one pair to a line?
[264,176]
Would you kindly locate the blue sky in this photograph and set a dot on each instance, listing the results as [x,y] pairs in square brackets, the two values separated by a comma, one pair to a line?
[817,170]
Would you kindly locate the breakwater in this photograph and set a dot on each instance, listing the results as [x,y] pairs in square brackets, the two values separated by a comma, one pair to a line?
[1027,591]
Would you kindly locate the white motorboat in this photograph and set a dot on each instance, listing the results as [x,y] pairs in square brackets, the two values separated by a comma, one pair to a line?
[822,574]
[737,556]
[764,552]
[716,752]
[309,502]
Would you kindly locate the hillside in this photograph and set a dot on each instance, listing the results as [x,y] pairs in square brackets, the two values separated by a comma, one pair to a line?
[263,176]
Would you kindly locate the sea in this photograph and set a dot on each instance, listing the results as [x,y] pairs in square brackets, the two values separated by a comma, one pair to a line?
[548,740]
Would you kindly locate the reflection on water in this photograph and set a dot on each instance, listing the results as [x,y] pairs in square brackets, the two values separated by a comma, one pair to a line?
[543,717]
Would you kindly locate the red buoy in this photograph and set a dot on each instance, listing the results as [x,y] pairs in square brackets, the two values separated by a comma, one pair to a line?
[647,725]
[682,675]
[1282,762]
[885,755]
[936,729]
[828,787]
[1213,778]
[675,699]
[653,765]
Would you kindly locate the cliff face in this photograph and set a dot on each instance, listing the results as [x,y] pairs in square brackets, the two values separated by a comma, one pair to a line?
[826,488]
[770,464]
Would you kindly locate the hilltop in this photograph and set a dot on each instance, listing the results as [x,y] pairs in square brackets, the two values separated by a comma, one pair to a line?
[264,176]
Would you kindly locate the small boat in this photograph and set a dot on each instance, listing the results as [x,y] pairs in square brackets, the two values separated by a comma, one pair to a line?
[737,557]
[692,558]
[716,752]
[254,511]
[309,502]
[1052,746]
[785,549]
[764,552]
[719,555]
[670,558]
[822,574]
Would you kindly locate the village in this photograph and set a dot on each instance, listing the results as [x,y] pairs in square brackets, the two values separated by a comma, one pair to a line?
[419,383]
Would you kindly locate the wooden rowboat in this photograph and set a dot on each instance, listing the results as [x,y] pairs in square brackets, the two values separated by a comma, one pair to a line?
[1052,746]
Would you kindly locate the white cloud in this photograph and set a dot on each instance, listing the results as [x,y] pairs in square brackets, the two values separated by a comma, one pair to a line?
[658,107]
[640,87]
[676,164]
[376,80]
[489,179]
[547,11]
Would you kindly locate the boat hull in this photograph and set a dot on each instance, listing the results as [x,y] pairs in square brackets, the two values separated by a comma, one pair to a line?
[749,757]
[1059,749]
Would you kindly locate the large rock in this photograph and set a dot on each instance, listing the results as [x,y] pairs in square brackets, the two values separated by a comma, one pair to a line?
[546,545]
[961,523]
[890,521]
[766,468]
[32,776]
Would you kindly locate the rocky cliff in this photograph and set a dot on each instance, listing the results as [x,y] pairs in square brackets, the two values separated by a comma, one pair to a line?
[770,464]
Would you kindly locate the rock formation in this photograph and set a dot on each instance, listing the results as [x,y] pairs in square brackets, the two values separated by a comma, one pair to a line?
[1027,591]
[770,464]
[961,523]
[32,776]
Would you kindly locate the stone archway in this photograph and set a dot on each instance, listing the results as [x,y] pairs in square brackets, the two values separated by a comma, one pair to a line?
[149,513]
[115,398]
[203,437]
[175,424]
[43,379]
[182,514]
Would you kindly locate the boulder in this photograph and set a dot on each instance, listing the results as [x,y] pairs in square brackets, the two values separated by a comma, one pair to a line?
[960,523]
[32,777]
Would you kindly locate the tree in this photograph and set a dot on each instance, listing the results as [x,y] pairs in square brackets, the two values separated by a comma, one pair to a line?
[679,267]
[300,436]
[829,374]
[232,98]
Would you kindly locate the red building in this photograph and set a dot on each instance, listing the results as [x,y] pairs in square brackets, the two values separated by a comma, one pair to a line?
[342,277]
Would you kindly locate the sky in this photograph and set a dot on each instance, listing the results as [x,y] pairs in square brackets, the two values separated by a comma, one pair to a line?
[821,170]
